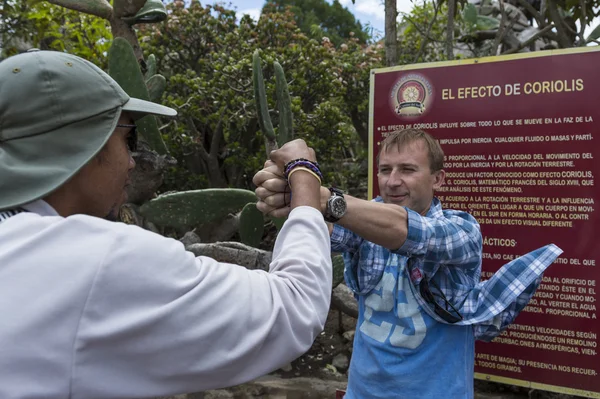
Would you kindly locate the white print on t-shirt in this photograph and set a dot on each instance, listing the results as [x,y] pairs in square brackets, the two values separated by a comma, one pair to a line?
[404,334]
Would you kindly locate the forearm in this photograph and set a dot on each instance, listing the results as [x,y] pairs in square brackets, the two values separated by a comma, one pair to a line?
[305,190]
[382,224]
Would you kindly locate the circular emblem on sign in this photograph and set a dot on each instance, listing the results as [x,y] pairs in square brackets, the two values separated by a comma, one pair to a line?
[411,95]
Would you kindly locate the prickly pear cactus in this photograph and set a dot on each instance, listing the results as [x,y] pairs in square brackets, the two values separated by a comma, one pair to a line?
[252,225]
[189,209]
[156,87]
[150,67]
[124,68]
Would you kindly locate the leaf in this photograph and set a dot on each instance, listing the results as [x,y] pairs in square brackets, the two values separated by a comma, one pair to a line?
[594,35]
[487,23]
[470,14]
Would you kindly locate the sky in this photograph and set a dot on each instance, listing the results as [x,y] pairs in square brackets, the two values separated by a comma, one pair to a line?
[368,12]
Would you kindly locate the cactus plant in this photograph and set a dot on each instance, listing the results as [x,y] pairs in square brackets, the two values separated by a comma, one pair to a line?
[285,130]
[193,208]
[252,225]
[150,67]
[284,105]
[262,106]
[156,87]
[124,68]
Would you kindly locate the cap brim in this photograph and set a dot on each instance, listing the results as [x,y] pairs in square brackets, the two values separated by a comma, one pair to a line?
[142,107]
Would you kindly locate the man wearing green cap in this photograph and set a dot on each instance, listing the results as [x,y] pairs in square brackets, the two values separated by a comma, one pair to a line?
[96,309]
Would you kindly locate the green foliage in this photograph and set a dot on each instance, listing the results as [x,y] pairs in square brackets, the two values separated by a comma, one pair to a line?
[252,225]
[480,22]
[189,209]
[33,23]
[318,18]
[124,69]
[206,57]
[414,45]
[595,35]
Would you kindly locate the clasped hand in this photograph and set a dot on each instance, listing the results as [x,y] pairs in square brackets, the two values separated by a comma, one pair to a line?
[272,189]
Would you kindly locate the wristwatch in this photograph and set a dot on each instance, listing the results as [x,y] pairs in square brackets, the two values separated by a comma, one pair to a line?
[336,206]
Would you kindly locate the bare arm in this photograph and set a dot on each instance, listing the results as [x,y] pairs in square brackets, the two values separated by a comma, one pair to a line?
[382,224]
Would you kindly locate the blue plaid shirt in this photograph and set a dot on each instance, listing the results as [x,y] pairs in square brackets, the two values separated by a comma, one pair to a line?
[446,246]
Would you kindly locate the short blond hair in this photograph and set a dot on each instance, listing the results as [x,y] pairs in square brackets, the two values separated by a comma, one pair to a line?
[403,137]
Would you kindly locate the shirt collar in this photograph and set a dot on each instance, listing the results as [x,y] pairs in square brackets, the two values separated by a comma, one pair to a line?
[435,210]
[40,207]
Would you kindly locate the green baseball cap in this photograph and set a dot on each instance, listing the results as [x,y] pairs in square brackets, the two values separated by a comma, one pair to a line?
[56,113]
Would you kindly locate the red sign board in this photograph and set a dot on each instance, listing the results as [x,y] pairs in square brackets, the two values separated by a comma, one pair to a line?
[522,151]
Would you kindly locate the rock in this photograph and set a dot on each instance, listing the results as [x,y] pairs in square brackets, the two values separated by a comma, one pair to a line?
[342,298]
[349,335]
[287,367]
[341,362]
[190,238]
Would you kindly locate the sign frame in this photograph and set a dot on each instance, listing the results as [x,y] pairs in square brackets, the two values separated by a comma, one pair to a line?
[372,155]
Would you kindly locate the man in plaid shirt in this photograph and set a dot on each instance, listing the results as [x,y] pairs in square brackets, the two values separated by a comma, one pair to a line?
[415,269]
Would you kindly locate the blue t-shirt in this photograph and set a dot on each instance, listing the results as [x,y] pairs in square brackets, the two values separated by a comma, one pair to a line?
[401,352]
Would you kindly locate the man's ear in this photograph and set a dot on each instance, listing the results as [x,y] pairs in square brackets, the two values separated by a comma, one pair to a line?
[439,178]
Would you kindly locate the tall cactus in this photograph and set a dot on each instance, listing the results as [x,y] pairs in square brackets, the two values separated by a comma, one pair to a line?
[262,106]
[284,105]
[124,68]
[285,129]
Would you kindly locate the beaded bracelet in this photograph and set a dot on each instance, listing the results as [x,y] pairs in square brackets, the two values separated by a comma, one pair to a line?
[313,166]
[287,165]
[304,169]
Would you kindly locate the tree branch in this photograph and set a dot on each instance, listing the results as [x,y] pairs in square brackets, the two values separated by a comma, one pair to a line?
[534,12]
[202,151]
[501,29]
[421,31]
[391,35]
[215,143]
[99,8]
[529,41]
[425,38]
[583,23]
[563,37]
[126,8]
[450,29]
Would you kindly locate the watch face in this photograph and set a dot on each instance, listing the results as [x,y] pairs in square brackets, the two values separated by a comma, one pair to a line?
[338,206]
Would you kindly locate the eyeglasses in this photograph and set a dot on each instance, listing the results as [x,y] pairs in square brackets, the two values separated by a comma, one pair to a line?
[132,139]
[449,314]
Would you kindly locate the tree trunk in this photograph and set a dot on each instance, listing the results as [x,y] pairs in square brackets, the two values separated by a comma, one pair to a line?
[564,40]
[450,30]
[99,8]
[391,35]
[122,29]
